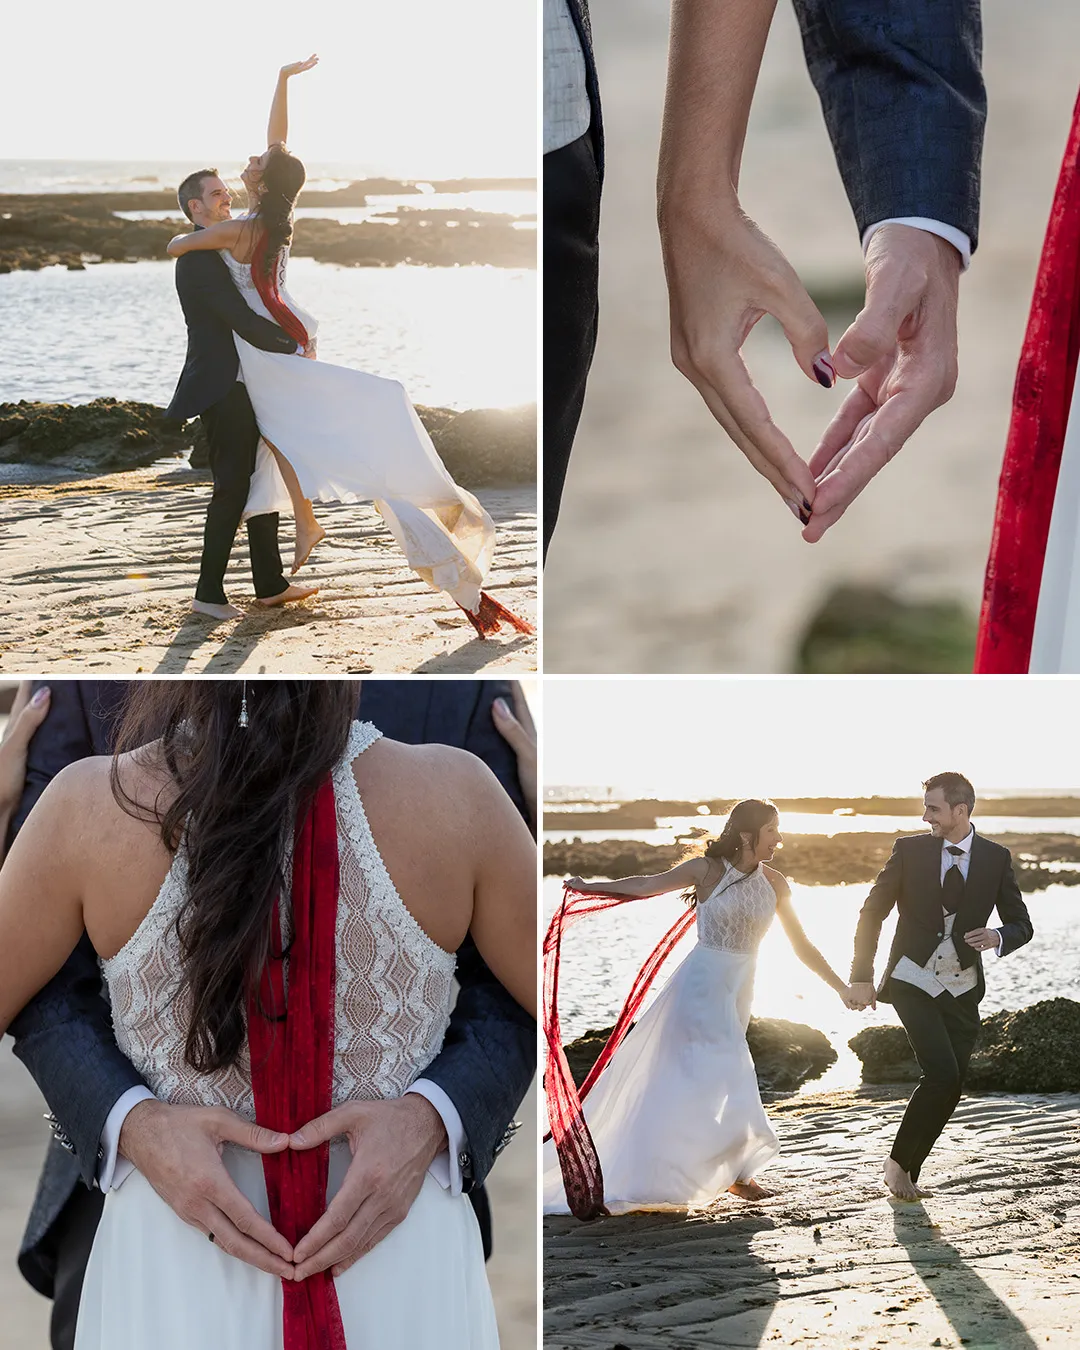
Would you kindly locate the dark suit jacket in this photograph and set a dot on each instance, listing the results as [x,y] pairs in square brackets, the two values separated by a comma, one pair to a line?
[902,92]
[64,1036]
[911,880]
[579,12]
[213,310]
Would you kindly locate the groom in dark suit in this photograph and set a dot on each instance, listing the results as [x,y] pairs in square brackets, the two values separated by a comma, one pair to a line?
[210,386]
[945,885]
[64,1036]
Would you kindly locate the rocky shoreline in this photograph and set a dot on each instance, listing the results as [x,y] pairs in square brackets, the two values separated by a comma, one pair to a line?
[481,447]
[812,859]
[1035,1049]
[74,230]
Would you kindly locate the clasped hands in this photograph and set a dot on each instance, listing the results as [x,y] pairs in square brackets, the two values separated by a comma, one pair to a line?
[724,274]
[178,1149]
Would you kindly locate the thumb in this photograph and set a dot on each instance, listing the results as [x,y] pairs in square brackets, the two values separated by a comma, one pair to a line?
[323,1128]
[248,1135]
[873,335]
[805,329]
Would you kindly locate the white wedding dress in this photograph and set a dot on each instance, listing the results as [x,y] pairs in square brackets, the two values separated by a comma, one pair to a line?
[676,1115]
[351,436]
[154,1282]
[1055,642]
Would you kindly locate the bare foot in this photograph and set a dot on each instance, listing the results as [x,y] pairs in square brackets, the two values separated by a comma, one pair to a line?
[289,594]
[215,611]
[899,1182]
[306,539]
[749,1190]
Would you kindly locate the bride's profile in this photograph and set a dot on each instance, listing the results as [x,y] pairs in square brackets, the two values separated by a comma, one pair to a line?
[276,894]
[675,1118]
[329,432]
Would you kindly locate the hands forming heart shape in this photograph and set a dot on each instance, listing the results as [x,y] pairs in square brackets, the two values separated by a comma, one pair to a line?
[724,275]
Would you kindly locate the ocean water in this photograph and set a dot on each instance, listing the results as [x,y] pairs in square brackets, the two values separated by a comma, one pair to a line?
[459,337]
[795,822]
[604,952]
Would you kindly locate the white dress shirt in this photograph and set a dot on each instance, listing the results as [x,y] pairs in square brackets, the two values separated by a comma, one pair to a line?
[567,113]
[445,1167]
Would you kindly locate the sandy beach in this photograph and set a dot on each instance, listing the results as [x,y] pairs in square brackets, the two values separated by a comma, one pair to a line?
[991,1260]
[23,1137]
[671,553]
[99,574]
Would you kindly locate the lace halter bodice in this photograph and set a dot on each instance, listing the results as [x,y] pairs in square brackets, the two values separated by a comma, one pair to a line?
[245,284]
[393,987]
[738,912]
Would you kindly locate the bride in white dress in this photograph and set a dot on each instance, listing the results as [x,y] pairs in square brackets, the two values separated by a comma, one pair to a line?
[93,854]
[331,433]
[676,1116]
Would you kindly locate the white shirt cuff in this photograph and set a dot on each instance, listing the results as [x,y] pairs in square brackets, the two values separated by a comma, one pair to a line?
[949,233]
[114,1169]
[445,1167]
[1000,942]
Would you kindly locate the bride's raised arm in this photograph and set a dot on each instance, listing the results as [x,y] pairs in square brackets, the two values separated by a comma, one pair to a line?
[277,129]
[226,234]
[41,911]
[677,878]
[805,950]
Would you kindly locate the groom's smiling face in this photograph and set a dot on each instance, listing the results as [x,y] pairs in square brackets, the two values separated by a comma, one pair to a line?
[215,204]
[944,820]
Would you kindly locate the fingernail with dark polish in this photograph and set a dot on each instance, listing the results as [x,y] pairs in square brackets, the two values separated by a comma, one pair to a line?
[40,695]
[804,516]
[806,505]
[824,371]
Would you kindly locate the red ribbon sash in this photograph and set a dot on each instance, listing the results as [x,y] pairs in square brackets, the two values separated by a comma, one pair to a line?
[292,1049]
[583,1177]
[266,283]
[1041,401]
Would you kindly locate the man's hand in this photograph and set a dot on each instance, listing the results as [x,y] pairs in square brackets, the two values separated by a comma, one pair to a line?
[723,275]
[902,349]
[863,995]
[983,939]
[392,1144]
[178,1150]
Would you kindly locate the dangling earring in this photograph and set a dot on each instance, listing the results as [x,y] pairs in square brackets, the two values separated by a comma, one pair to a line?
[242,720]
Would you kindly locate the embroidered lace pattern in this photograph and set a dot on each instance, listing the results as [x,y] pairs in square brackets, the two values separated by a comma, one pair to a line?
[737,914]
[393,991]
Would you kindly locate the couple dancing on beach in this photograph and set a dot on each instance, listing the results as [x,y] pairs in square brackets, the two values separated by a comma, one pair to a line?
[285,432]
[670,1116]
[904,102]
[228,957]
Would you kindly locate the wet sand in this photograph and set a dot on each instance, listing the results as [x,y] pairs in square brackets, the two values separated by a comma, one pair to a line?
[672,554]
[99,576]
[991,1260]
[24,1135]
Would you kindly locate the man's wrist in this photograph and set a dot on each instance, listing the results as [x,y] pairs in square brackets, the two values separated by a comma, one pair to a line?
[949,234]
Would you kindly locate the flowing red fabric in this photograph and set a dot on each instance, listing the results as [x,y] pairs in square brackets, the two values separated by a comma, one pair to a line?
[1041,401]
[292,1049]
[266,283]
[491,616]
[579,1162]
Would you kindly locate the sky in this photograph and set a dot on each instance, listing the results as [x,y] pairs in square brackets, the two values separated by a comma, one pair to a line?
[413,88]
[809,737]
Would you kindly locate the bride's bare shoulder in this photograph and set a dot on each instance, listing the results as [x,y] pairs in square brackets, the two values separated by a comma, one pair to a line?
[431,770]
[778,881]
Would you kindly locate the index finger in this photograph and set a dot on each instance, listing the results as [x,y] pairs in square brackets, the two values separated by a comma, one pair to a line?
[521,709]
[732,382]
[340,1212]
[879,440]
[247,1220]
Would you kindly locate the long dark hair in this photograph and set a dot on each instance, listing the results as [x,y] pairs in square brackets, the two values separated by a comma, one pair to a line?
[749,816]
[282,179]
[233,794]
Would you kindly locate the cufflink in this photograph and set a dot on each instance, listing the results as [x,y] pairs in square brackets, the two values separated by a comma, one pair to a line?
[464,1161]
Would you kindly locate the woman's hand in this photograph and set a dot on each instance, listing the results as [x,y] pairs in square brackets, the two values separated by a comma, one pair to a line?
[298,67]
[576,883]
[519,731]
[311,351]
[723,275]
[27,714]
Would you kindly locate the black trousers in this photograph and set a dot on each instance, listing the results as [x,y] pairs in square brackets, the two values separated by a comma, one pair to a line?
[571,270]
[72,1237]
[233,436]
[942,1032]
